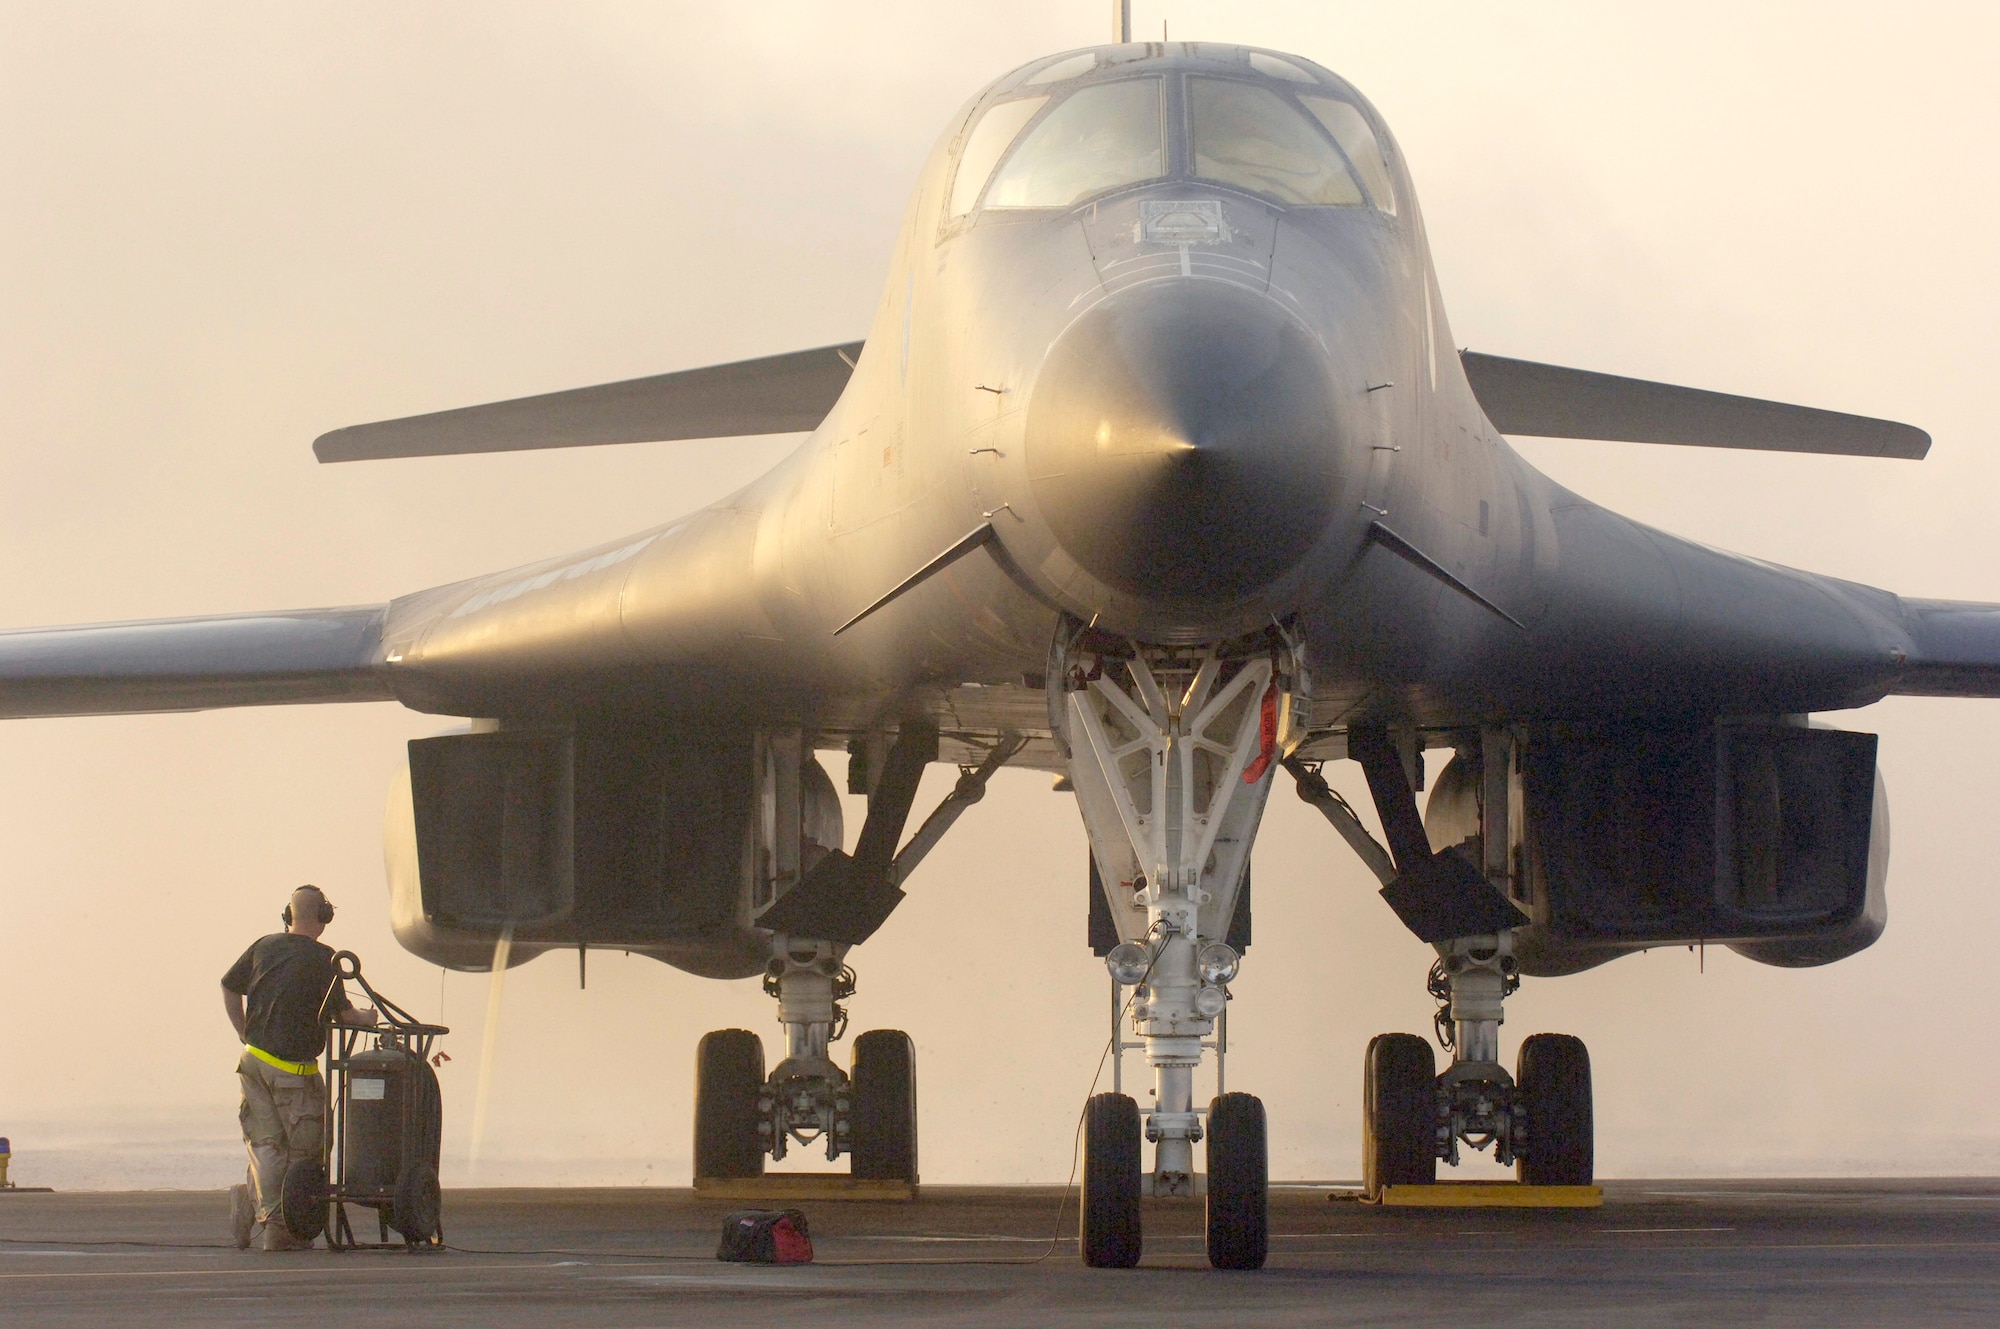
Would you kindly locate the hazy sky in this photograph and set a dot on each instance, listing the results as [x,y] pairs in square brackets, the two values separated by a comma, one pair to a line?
[227,228]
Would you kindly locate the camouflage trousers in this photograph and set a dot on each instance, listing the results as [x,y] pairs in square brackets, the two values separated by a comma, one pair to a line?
[281,1116]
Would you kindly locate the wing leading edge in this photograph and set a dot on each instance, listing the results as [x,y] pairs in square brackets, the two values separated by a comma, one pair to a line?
[191,664]
[775,394]
[1957,649]
[1550,401]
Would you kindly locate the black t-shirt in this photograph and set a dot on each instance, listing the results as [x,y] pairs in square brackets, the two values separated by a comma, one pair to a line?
[289,984]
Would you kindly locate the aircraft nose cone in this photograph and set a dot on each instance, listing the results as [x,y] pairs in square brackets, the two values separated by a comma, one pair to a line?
[1181,441]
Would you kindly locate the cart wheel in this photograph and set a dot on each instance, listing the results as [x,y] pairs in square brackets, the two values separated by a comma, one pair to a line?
[419,1204]
[302,1199]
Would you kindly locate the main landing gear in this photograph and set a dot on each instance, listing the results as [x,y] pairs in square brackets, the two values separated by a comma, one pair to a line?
[817,901]
[867,1112]
[1171,751]
[1539,1118]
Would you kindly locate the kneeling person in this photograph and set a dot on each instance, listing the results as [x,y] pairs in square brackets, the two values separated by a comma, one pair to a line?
[290,987]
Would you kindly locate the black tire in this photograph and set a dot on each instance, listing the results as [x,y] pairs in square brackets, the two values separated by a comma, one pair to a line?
[418,1212]
[428,1144]
[1108,1216]
[1398,1114]
[882,1107]
[302,1199]
[728,1077]
[1552,1077]
[1239,1183]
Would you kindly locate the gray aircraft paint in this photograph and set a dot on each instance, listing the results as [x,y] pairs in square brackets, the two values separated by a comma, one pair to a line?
[989,344]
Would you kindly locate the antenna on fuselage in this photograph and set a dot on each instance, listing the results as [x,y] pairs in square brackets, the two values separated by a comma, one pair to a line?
[1121,21]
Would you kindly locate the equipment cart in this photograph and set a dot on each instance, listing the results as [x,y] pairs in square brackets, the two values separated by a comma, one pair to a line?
[384,1119]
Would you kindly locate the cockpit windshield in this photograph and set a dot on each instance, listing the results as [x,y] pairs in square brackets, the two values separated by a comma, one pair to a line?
[1103,136]
[1248,136]
[990,137]
[1277,137]
[1357,140]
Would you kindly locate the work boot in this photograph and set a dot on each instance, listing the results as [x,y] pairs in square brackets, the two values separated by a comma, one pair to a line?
[242,1215]
[278,1237]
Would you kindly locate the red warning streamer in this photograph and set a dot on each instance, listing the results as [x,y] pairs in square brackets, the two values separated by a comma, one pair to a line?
[1267,731]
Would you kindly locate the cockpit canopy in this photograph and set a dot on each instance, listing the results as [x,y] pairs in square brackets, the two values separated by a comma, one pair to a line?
[1088,124]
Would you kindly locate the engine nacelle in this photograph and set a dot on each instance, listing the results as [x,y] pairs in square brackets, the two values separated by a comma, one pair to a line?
[605,837]
[1771,839]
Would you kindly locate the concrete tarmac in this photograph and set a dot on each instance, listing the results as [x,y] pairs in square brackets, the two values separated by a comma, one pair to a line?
[1820,1253]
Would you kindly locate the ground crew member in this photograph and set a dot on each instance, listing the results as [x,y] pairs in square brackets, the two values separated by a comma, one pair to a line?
[291,988]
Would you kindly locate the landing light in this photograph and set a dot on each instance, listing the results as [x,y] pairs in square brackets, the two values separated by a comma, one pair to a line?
[1129,962]
[1216,962]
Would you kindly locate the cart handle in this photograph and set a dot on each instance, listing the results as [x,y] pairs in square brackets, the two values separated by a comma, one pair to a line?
[348,965]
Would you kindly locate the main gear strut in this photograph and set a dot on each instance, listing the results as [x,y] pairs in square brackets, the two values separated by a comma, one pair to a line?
[1457,899]
[805,1099]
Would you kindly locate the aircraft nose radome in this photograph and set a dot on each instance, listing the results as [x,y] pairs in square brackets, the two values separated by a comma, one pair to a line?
[1181,441]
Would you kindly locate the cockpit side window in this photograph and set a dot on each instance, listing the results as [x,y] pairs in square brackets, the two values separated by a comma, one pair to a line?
[1101,137]
[1248,136]
[990,138]
[1357,140]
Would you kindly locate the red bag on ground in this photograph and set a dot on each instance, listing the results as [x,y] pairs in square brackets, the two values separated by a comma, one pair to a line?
[765,1236]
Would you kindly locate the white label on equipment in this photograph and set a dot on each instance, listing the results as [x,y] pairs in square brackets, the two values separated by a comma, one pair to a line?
[359,1088]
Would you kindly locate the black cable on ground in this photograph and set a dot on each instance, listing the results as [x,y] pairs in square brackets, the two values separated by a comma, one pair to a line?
[144,1245]
[583,1255]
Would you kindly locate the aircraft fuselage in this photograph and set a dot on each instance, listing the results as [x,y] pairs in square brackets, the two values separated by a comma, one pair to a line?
[1181,407]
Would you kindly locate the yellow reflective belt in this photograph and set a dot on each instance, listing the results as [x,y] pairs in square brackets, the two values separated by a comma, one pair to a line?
[295,1067]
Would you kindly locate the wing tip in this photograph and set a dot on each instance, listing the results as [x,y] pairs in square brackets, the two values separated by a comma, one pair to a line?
[1535,399]
[1911,443]
[330,447]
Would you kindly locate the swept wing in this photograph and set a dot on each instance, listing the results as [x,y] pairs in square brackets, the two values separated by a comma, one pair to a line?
[190,664]
[1550,401]
[773,394]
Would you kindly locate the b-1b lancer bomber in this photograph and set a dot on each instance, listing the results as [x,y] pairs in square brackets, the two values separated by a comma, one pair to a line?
[1158,471]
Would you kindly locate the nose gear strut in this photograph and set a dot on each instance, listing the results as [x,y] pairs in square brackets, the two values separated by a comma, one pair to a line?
[1171,751]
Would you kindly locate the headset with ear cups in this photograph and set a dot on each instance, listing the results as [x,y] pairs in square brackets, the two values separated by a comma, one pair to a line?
[325,907]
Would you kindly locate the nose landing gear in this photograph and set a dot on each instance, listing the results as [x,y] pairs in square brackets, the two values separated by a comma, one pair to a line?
[1171,751]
